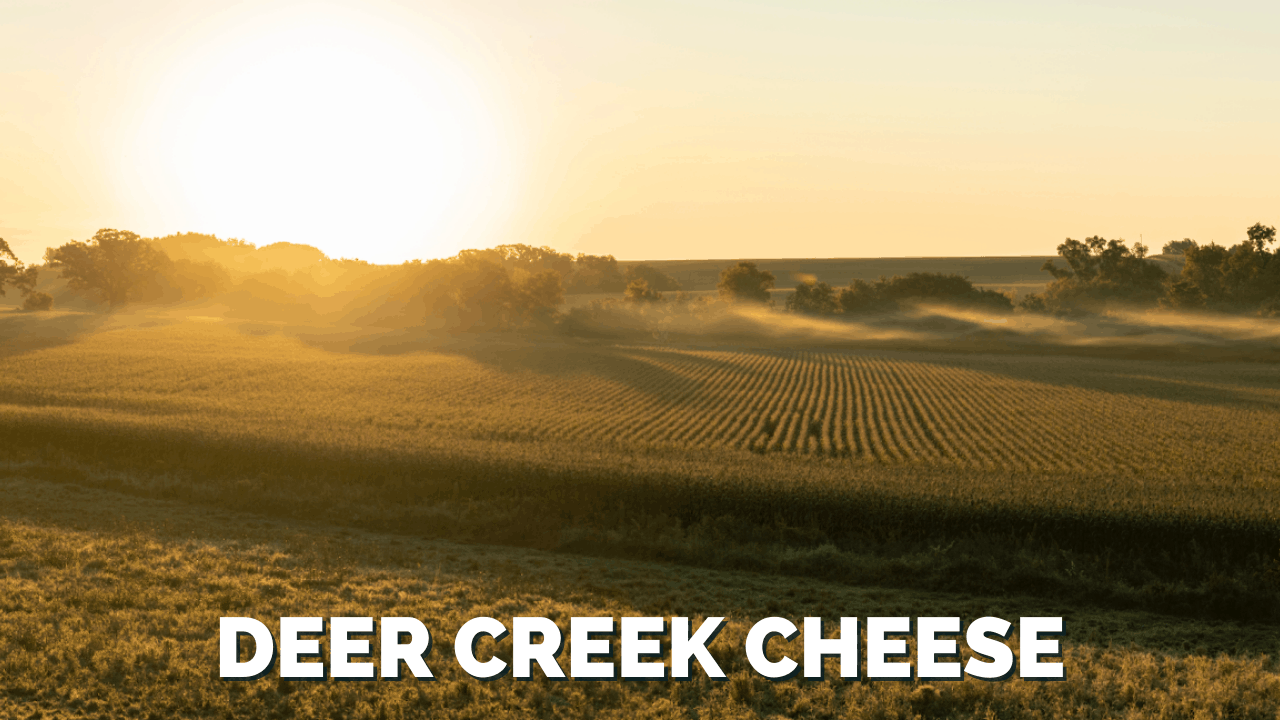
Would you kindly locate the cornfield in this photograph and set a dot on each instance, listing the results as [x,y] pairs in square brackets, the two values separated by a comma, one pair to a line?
[1041,414]
[1147,483]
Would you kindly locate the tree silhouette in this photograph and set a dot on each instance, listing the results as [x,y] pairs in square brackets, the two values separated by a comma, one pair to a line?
[638,291]
[813,298]
[1178,247]
[113,264]
[14,273]
[656,280]
[538,295]
[1100,271]
[1261,235]
[1243,276]
[745,281]
[596,274]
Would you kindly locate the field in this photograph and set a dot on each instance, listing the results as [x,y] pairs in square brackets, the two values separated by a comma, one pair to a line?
[1129,492]
[111,604]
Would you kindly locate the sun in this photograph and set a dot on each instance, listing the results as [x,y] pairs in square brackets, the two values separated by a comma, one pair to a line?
[328,132]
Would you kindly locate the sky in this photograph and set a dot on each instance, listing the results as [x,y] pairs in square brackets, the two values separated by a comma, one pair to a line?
[644,129]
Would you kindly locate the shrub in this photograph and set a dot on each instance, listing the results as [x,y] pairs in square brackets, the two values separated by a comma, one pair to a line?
[745,281]
[638,290]
[657,280]
[890,293]
[37,302]
[813,298]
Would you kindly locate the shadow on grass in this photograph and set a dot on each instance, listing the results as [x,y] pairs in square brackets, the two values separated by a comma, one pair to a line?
[654,588]
[22,332]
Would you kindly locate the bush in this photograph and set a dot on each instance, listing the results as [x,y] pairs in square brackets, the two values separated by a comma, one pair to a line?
[745,281]
[813,298]
[657,280]
[37,302]
[638,290]
[1182,294]
[889,293]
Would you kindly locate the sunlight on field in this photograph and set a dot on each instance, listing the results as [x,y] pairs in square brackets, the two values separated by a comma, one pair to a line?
[118,599]
[1045,414]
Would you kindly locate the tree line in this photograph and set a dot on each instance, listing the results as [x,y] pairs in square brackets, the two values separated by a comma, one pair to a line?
[515,284]
[1244,277]
[1099,273]
[22,278]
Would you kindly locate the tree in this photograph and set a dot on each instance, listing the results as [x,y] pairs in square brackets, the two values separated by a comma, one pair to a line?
[1261,235]
[519,256]
[37,302]
[745,281]
[1100,270]
[1246,275]
[1182,294]
[889,293]
[1203,271]
[861,296]
[538,295]
[116,265]
[657,280]
[480,293]
[1178,247]
[638,291]
[596,274]
[475,293]
[13,272]
[813,298]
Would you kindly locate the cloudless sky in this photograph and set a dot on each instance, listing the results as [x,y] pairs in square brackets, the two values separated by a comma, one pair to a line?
[648,129]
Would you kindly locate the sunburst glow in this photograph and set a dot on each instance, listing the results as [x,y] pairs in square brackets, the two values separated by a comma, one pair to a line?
[332,133]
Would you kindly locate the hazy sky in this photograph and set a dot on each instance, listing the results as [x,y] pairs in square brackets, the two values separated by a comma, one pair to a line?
[648,129]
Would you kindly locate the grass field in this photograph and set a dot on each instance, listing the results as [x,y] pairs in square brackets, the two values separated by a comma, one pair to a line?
[1118,488]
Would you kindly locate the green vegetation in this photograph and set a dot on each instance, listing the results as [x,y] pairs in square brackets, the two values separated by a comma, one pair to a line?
[892,294]
[745,281]
[1103,273]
